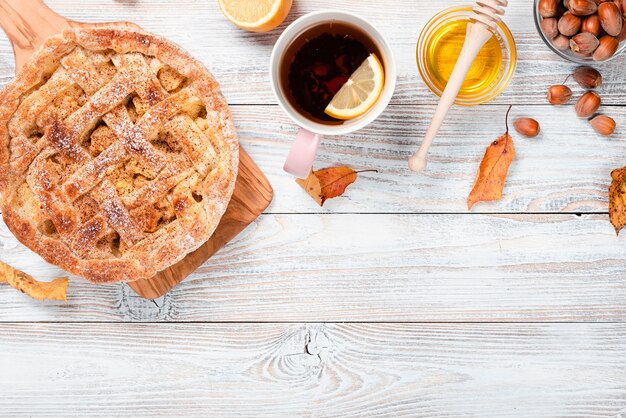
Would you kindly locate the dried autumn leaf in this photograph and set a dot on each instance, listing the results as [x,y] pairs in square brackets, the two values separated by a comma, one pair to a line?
[493,169]
[617,199]
[327,183]
[54,290]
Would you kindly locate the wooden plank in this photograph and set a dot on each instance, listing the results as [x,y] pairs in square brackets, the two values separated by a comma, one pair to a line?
[371,268]
[541,178]
[239,59]
[566,169]
[438,370]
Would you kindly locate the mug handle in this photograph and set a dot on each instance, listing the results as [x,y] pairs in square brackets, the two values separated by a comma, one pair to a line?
[302,154]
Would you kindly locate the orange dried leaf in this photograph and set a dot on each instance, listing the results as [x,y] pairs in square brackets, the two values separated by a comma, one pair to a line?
[54,290]
[327,183]
[493,170]
[617,199]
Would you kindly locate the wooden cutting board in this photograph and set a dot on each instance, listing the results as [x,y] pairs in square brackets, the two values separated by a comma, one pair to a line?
[28,23]
[253,193]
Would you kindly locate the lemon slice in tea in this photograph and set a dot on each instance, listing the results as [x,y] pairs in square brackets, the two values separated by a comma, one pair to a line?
[360,92]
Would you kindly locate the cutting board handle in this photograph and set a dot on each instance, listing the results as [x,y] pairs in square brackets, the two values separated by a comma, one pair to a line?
[27,24]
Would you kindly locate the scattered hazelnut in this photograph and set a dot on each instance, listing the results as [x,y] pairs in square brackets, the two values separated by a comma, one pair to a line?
[559,94]
[548,8]
[582,7]
[569,25]
[584,43]
[606,49]
[588,104]
[591,24]
[549,27]
[527,127]
[587,77]
[604,125]
[610,18]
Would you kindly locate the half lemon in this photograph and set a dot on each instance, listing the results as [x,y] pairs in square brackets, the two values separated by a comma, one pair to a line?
[360,92]
[256,15]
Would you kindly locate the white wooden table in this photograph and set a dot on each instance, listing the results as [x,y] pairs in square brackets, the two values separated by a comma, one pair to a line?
[392,300]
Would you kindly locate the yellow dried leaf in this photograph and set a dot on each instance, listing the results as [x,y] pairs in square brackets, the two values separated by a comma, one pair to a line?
[493,169]
[54,290]
[617,199]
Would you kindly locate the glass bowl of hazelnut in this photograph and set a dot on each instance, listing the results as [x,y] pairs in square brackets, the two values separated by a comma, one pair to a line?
[582,31]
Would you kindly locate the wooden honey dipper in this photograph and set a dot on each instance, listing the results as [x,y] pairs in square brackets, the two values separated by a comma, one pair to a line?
[486,15]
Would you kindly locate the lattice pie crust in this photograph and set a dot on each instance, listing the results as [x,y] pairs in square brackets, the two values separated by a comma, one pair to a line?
[118,154]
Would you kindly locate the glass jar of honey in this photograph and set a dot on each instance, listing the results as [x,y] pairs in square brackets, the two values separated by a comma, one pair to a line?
[440,44]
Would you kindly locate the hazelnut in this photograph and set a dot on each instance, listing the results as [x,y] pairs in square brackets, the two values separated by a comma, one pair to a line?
[607,48]
[604,125]
[559,94]
[566,4]
[549,27]
[587,77]
[527,127]
[584,43]
[588,104]
[610,18]
[561,42]
[582,7]
[591,24]
[548,8]
[622,35]
[569,25]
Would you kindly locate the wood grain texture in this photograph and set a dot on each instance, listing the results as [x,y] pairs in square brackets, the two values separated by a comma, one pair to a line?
[363,257]
[239,59]
[566,169]
[438,370]
[372,268]
[28,23]
[541,179]
[27,35]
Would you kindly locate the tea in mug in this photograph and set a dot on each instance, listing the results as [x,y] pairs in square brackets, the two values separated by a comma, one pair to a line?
[319,62]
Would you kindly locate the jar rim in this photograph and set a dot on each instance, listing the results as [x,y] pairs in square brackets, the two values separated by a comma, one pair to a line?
[507,43]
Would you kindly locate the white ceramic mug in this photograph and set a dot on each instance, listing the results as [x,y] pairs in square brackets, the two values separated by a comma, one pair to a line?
[302,153]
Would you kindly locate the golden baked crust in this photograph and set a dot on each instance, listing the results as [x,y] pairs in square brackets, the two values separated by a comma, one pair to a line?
[118,154]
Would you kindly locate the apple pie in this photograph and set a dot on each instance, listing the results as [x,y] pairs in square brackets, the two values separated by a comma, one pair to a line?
[118,154]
